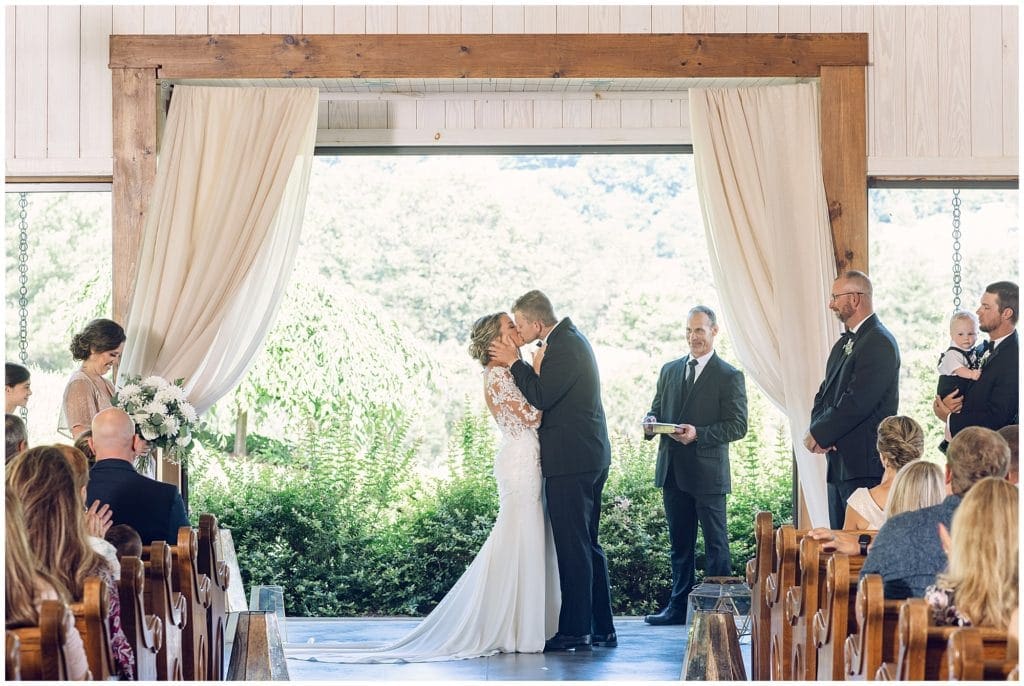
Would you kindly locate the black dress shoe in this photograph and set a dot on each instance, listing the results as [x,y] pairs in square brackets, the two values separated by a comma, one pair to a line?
[609,640]
[666,617]
[561,642]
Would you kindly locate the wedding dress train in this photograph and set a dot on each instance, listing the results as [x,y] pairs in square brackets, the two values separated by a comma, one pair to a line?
[508,599]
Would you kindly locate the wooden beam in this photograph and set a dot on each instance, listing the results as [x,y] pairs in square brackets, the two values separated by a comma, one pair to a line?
[488,55]
[134,114]
[844,163]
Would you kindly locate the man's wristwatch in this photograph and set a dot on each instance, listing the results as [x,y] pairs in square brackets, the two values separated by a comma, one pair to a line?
[864,540]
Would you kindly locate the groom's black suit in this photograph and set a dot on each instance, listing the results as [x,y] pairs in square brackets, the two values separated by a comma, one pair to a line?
[861,388]
[575,455]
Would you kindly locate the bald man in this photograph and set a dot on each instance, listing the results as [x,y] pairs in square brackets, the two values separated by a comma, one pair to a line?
[152,508]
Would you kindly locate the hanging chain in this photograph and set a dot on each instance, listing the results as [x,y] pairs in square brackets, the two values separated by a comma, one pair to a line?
[957,290]
[23,285]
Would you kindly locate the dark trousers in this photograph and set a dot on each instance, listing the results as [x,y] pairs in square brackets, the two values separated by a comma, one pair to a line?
[683,511]
[840,491]
[574,506]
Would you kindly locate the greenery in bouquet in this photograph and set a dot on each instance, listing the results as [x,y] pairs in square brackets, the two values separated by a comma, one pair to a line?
[163,415]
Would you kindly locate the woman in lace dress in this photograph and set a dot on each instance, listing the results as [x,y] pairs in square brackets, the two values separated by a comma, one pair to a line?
[507,601]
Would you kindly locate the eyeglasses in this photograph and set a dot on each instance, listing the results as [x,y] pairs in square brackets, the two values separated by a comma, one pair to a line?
[835,296]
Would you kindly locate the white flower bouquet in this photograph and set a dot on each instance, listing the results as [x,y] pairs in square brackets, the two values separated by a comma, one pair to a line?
[163,415]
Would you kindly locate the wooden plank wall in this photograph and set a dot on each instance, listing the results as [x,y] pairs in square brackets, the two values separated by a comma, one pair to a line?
[942,85]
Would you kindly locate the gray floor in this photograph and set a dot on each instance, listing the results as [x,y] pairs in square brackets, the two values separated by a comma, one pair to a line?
[645,653]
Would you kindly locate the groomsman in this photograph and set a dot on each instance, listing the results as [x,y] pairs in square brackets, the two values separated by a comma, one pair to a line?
[861,388]
[707,400]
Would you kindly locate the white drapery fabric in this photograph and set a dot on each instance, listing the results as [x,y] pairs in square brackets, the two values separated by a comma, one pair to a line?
[758,161]
[221,234]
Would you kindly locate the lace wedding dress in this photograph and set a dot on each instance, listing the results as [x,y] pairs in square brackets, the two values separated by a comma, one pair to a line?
[507,601]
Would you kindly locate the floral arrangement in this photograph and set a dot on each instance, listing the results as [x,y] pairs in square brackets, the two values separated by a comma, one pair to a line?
[163,415]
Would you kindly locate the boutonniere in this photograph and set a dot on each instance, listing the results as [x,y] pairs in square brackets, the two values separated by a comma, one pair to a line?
[984,358]
[848,348]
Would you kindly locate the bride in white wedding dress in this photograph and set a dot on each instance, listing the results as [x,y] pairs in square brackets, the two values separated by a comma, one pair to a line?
[507,601]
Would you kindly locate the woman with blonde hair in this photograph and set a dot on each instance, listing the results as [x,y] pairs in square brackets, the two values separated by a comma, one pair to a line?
[44,483]
[979,586]
[98,517]
[917,485]
[27,586]
[900,441]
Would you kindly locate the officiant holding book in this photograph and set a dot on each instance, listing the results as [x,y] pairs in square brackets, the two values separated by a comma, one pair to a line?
[706,399]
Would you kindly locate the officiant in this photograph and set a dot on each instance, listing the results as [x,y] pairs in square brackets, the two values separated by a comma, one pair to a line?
[705,399]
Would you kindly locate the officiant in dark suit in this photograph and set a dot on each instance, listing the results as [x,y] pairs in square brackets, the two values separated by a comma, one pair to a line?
[861,388]
[993,400]
[707,399]
[575,455]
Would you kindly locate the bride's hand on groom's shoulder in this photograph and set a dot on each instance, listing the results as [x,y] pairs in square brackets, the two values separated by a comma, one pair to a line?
[503,351]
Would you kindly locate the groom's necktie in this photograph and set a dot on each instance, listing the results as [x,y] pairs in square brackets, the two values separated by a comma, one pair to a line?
[691,375]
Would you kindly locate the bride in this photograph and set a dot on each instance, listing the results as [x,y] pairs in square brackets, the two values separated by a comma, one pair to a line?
[507,601]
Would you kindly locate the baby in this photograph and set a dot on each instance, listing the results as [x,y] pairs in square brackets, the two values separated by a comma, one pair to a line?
[958,365]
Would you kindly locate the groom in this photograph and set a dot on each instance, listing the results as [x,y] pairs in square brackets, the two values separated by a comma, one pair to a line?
[575,455]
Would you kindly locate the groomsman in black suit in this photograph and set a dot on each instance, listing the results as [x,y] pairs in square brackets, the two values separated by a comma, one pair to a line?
[575,454]
[861,388]
[707,400]
[993,400]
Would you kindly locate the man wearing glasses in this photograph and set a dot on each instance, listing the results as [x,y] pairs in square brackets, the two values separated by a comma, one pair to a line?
[861,388]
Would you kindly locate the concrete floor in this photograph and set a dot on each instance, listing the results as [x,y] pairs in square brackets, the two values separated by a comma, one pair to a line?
[645,653]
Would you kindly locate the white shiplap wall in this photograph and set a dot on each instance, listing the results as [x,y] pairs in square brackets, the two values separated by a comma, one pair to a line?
[942,85]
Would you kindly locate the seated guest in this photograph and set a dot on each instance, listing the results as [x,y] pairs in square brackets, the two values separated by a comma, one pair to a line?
[18,387]
[1010,435]
[15,435]
[98,516]
[979,587]
[28,586]
[907,551]
[900,441]
[152,508]
[82,443]
[126,540]
[43,481]
[917,485]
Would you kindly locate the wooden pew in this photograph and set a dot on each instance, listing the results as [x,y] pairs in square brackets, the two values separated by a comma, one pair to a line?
[144,630]
[923,645]
[91,621]
[12,667]
[195,589]
[41,648]
[784,575]
[976,655]
[758,570]
[211,564]
[802,603]
[837,618]
[874,644]
[169,606]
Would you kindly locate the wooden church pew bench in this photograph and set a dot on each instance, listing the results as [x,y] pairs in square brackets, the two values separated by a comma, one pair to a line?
[784,576]
[836,620]
[169,606]
[758,570]
[144,630]
[195,589]
[977,655]
[41,648]
[802,603]
[12,664]
[874,642]
[923,646]
[219,574]
[91,620]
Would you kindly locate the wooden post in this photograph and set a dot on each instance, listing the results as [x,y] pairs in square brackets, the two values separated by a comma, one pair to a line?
[844,163]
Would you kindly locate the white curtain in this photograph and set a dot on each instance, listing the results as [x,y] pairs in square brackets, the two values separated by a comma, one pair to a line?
[758,162]
[221,234]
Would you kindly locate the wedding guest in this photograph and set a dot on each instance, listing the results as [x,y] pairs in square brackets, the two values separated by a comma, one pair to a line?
[82,443]
[98,516]
[43,480]
[900,441]
[860,389]
[153,508]
[917,485]
[958,365]
[27,586]
[15,436]
[88,391]
[1011,435]
[18,386]
[125,539]
[979,587]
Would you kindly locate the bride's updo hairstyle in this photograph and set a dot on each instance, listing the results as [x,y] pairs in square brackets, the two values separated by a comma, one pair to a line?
[901,440]
[485,330]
